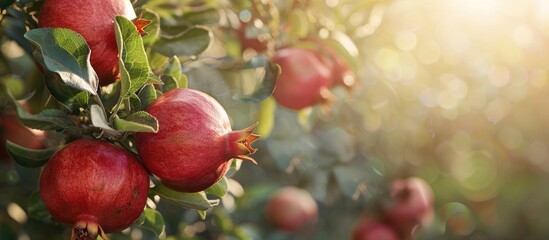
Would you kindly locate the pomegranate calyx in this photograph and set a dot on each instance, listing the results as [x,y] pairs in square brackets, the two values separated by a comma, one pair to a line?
[140,24]
[243,139]
[85,230]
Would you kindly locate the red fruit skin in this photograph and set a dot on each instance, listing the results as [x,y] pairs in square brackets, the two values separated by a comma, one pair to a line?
[291,209]
[248,41]
[413,205]
[94,182]
[94,20]
[370,229]
[12,129]
[304,79]
[194,145]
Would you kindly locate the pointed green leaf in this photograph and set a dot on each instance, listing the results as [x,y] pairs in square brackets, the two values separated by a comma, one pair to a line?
[133,62]
[135,102]
[169,83]
[190,42]
[27,157]
[147,95]
[153,221]
[66,53]
[220,188]
[36,208]
[174,68]
[197,201]
[99,119]
[49,119]
[71,98]
[265,84]
[137,122]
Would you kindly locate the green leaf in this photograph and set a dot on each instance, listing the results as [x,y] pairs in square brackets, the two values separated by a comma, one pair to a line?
[266,117]
[220,188]
[188,43]
[265,84]
[197,201]
[49,119]
[133,63]
[135,102]
[99,119]
[174,68]
[73,99]
[169,83]
[153,221]
[36,208]
[137,122]
[5,3]
[147,95]
[349,180]
[66,53]
[27,157]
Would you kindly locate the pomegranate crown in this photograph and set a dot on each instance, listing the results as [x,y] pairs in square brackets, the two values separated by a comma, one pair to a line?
[243,139]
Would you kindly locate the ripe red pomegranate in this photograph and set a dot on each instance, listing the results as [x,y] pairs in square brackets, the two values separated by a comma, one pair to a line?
[94,20]
[304,80]
[12,129]
[96,186]
[413,206]
[247,41]
[291,209]
[341,72]
[370,229]
[194,146]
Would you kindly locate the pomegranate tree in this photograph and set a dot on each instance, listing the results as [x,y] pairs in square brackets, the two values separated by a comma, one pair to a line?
[305,78]
[95,186]
[290,209]
[195,145]
[370,229]
[93,19]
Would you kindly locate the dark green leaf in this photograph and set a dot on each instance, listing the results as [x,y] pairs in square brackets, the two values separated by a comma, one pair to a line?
[197,201]
[27,157]
[220,188]
[174,68]
[133,63]
[265,87]
[169,83]
[147,95]
[71,98]
[66,53]
[190,42]
[36,208]
[15,29]
[137,122]
[5,3]
[49,119]
[99,119]
[135,102]
[153,221]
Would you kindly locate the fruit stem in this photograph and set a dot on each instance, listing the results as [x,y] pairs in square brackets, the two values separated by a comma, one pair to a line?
[243,140]
[86,228]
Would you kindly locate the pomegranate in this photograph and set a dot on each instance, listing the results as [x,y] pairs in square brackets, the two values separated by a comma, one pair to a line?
[413,205]
[370,229]
[194,146]
[94,20]
[304,80]
[291,209]
[12,129]
[251,42]
[96,186]
[341,72]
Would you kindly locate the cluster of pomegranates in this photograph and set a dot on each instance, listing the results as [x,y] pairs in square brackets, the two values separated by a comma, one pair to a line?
[98,186]
[410,207]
